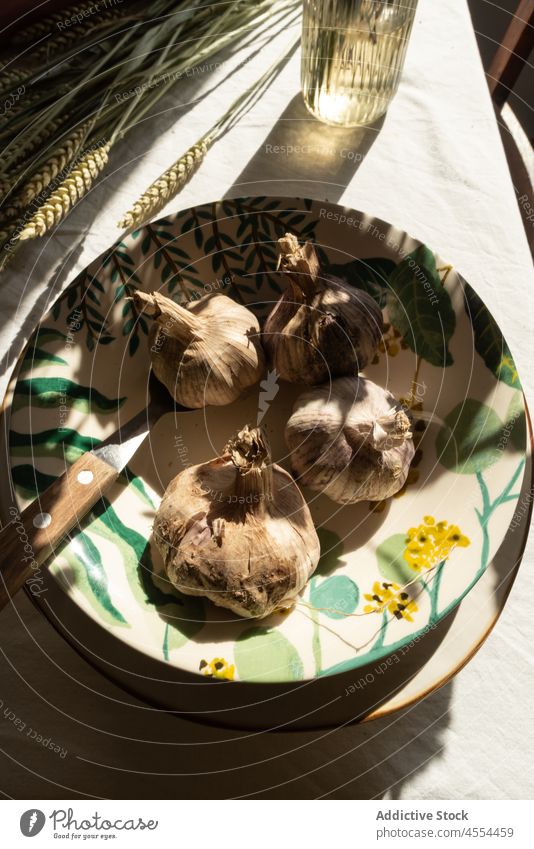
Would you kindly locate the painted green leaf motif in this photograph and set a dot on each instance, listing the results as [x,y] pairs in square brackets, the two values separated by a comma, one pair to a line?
[29,481]
[516,425]
[263,654]
[469,440]
[129,479]
[335,597]
[331,551]
[260,223]
[81,553]
[84,549]
[182,622]
[77,577]
[130,544]
[172,639]
[84,559]
[391,562]
[420,308]
[43,335]
[152,583]
[185,619]
[370,274]
[36,357]
[184,615]
[489,341]
[51,443]
[51,392]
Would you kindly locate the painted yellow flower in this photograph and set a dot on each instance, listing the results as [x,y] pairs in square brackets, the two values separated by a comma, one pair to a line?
[507,365]
[431,542]
[217,668]
[391,597]
[390,343]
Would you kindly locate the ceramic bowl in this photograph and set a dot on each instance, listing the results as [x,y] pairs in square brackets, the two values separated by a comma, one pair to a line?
[389,572]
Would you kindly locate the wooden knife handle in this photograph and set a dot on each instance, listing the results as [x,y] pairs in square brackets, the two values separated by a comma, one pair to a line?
[31,536]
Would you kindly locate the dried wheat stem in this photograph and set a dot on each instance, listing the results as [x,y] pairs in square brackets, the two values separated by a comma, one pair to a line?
[167,186]
[174,179]
[5,259]
[60,158]
[79,180]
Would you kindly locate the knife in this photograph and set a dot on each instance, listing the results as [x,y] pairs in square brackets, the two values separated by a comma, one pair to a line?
[32,536]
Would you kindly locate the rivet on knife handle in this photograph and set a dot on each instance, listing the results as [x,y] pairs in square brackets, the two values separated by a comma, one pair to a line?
[31,536]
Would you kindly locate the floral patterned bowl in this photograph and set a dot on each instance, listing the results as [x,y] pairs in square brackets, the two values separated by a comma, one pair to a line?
[388,572]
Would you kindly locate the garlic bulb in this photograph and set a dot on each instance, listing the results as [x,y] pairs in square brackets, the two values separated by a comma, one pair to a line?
[321,327]
[351,440]
[206,353]
[237,530]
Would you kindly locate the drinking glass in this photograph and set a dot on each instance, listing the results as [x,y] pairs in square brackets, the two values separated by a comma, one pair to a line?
[352,57]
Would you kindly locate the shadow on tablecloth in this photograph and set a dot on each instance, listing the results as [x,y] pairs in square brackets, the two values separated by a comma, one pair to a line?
[301,150]
[67,732]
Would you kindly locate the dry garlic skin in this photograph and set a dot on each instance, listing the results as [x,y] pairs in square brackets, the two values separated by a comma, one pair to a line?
[238,531]
[350,439]
[321,327]
[208,352]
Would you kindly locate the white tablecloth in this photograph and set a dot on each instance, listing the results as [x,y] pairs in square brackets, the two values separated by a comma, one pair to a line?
[436,169]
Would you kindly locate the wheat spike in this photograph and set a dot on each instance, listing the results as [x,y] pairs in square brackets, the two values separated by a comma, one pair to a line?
[166,186]
[8,213]
[68,38]
[59,44]
[34,31]
[6,186]
[72,189]
[60,158]
[10,77]
[25,149]
[42,28]
[29,98]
